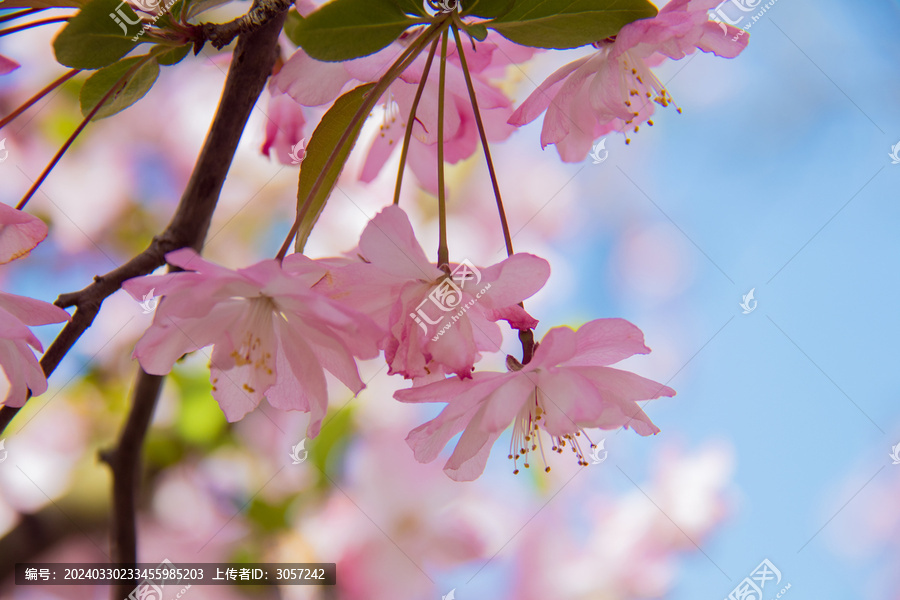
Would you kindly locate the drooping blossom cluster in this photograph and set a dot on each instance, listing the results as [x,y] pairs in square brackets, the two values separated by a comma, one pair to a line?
[614,89]
[566,387]
[272,335]
[611,89]
[276,327]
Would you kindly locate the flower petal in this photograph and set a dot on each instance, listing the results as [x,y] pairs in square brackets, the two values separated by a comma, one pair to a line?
[19,233]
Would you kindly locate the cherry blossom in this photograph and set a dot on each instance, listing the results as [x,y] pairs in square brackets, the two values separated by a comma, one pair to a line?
[566,387]
[284,128]
[614,88]
[438,321]
[19,233]
[24,373]
[489,60]
[271,334]
[632,545]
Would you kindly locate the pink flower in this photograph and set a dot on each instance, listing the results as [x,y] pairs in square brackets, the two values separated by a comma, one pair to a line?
[313,83]
[7,65]
[437,322]
[22,369]
[566,387]
[626,546]
[271,334]
[284,129]
[19,233]
[614,88]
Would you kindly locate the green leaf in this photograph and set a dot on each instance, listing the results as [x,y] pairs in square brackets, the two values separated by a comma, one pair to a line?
[346,29]
[167,55]
[93,39]
[323,142]
[292,25]
[476,30]
[568,23]
[411,7]
[488,9]
[135,87]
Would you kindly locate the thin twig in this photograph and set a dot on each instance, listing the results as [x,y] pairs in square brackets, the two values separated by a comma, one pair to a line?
[24,26]
[20,14]
[115,89]
[34,99]
[404,151]
[443,255]
[526,336]
[484,141]
[372,97]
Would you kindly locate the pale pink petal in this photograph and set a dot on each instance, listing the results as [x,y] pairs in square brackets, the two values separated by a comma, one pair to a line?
[725,45]
[514,279]
[310,82]
[557,346]
[19,233]
[539,100]
[620,390]
[301,382]
[455,348]
[496,413]
[229,387]
[389,242]
[169,339]
[23,372]
[32,312]
[464,397]
[422,162]
[469,459]
[284,129]
[604,342]
[570,401]
[515,315]
[330,352]
[11,328]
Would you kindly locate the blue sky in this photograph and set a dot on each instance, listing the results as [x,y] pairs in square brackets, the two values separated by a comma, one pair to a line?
[780,182]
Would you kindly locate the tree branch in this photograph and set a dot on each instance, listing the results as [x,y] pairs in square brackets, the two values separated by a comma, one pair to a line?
[251,65]
[221,34]
[125,462]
